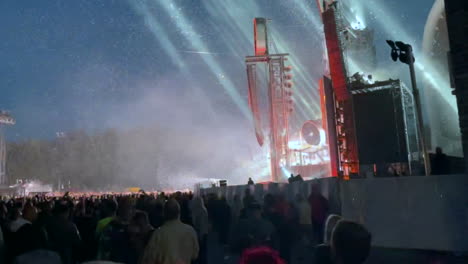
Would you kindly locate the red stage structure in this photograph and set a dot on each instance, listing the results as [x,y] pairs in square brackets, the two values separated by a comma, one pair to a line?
[346,159]
[357,112]
[327,103]
[279,99]
[302,152]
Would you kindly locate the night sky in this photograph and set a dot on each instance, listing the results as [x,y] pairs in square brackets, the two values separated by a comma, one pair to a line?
[68,65]
[172,66]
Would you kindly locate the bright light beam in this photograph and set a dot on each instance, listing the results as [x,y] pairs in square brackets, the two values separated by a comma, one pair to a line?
[396,31]
[303,95]
[162,37]
[182,24]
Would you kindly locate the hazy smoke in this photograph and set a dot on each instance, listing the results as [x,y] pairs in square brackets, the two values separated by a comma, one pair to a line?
[175,137]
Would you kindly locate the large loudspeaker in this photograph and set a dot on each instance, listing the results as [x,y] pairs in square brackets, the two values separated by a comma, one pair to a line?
[380,127]
[310,132]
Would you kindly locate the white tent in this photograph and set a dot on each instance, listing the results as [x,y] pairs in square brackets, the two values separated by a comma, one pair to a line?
[37,187]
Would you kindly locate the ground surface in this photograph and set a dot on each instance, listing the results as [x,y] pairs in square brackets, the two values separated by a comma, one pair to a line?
[303,254]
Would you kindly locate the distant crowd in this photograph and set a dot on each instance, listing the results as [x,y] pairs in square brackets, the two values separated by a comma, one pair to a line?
[159,228]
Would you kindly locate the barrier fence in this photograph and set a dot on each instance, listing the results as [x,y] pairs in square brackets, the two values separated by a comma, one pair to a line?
[419,212]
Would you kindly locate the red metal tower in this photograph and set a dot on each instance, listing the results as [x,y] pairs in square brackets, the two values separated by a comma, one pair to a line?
[347,158]
[279,99]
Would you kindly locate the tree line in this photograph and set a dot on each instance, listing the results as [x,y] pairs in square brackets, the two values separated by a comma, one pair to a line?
[78,158]
[155,156]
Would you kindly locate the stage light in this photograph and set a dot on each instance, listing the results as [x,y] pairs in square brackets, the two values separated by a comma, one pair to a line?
[394,51]
[402,46]
[394,54]
[154,14]
[388,23]
[406,56]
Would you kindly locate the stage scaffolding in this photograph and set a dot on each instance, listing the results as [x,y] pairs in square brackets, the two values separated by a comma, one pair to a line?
[401,93]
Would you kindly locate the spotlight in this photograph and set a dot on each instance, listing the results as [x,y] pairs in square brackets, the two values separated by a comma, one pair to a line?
[391,44]
[404,52]
[394,55]
[402,46]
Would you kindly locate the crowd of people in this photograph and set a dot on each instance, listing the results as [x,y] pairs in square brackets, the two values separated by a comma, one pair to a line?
[158,228]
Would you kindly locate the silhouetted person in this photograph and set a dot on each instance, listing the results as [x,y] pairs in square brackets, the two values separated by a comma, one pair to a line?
[250,182]
[39,256]
[236,208]
[211,207]
[201,224]
[86,223]
[350,243]
[17,220]
[45,213]
[440,163]
[322,252]
[273,213]
[156,215]
[298,178]
[63,236]
[252,231]
[332,221]
[291,178]
[2,247]
[219,215]
[319,208]
[108,211]
[114,244]
[29,236]
[284,225]
[248,198]
[185,215]
[3,216]
[225,220]
[174,242]
[140,232]
[304,219]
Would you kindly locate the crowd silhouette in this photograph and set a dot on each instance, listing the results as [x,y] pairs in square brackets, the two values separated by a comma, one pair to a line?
[161,228]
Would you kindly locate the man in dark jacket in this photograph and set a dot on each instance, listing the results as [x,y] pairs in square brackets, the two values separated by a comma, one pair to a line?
[114,243]
[319,210]
[253,231]
[63,236]
[29,236]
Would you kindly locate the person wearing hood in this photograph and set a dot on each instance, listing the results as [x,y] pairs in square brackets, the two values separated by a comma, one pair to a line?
[200,222]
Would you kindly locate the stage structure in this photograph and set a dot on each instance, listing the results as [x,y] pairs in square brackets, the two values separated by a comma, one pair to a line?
[350,98]
[279,98]
[386,130]
[309,154]
[356,40]
[329,119]
[335,27]
[5,119]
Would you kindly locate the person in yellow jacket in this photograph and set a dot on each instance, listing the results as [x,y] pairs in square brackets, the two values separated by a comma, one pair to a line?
[109,209]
